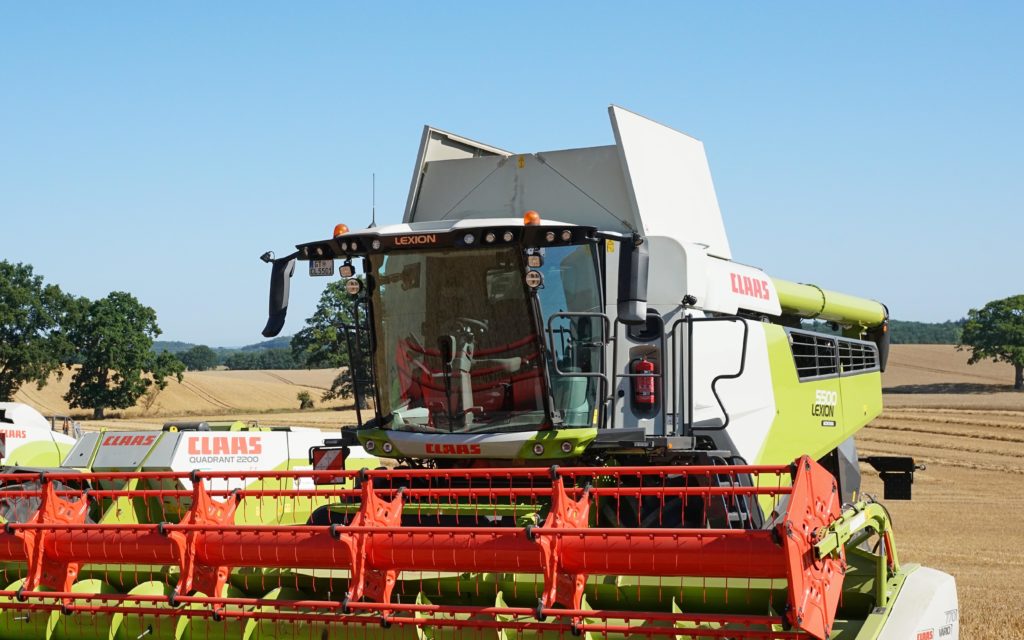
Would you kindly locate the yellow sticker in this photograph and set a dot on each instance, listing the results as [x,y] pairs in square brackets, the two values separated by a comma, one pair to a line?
[609,246]
[593,420]
[522,161]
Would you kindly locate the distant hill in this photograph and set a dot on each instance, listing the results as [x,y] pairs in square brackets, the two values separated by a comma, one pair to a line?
[269,354]
[280,342]
[174,346]
[171,346]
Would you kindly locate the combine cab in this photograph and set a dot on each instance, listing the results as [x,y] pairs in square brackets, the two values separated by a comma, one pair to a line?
[598,424]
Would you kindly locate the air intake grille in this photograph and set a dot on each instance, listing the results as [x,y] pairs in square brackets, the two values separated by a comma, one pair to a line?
[814,355]
[857,356]
[818,355]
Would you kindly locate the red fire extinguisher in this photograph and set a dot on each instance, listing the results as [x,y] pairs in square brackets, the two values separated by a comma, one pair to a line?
[643,386]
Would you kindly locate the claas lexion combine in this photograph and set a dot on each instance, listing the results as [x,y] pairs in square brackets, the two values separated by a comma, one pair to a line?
[598,424]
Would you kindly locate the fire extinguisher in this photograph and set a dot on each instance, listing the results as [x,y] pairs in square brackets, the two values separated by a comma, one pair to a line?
[643,386]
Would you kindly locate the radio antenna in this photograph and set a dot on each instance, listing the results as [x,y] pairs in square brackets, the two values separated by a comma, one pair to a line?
[373,196]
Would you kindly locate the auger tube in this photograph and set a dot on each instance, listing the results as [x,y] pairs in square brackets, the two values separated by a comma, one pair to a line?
[812,302]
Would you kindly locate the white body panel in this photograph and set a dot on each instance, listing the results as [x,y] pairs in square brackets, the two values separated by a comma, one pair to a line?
[926,609]
[750,398]
[459,445]
[669,182]
[23,425]
[733,286]
[654,180]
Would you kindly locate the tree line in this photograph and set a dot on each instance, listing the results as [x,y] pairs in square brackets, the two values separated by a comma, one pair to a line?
[203,358]
[44,330]
[107,345]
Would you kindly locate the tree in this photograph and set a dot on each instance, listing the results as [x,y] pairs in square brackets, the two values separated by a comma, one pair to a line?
[115,338]
[996,331]
[305,401]
[276,359]
[241,361]
[33,340]
[199,358]
[328,338]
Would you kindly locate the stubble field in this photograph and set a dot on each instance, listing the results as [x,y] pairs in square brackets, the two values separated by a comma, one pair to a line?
[967,516]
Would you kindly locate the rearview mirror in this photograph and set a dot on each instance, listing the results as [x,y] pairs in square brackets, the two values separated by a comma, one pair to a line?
[633,263]
[446,345]
[280,285]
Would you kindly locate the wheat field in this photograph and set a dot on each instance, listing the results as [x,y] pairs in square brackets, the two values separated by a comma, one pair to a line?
[206,393]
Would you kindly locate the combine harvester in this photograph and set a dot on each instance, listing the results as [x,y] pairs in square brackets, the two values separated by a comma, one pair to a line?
[600,425]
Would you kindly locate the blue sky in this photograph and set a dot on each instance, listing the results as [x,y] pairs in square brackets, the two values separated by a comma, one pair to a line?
[873,148]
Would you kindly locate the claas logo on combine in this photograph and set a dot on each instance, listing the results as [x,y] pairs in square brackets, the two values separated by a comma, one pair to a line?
[129,441]
[454,449]
[752,287]
[224,446]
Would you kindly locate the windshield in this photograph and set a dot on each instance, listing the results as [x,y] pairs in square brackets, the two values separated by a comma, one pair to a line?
[457,346]
[571,286]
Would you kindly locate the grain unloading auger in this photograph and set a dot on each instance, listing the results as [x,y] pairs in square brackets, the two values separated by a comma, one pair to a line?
[601,424]
[438,553]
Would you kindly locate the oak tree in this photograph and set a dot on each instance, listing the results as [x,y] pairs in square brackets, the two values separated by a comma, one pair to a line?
[115,340]
[33,340]
[996,331]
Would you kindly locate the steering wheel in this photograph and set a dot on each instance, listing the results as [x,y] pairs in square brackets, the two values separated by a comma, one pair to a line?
[469,325]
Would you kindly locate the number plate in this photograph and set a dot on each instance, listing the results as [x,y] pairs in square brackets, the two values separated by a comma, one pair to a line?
[321,267]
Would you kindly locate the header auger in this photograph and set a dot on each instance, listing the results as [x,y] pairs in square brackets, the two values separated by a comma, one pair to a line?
[493,551]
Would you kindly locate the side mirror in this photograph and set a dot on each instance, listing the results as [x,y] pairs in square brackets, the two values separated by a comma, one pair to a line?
[633,267]
[280,285]
[446,344]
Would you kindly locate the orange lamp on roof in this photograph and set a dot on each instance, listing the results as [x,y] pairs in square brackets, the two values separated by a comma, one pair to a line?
[340,229]
[531,218]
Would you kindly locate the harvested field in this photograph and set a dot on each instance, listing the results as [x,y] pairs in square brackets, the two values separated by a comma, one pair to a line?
[967,425]
[206,393]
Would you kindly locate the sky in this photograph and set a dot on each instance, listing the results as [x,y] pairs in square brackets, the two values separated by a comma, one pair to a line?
[159,148]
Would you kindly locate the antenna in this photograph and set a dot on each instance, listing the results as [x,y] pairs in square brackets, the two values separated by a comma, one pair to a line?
[373,191]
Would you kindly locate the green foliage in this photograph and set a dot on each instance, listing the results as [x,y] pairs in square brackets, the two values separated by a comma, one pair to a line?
[329,336]
[199,358]
[269,359]
[114,337]
[322,342]
[305,401]
[906,332]
[996,332]
[33,341]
